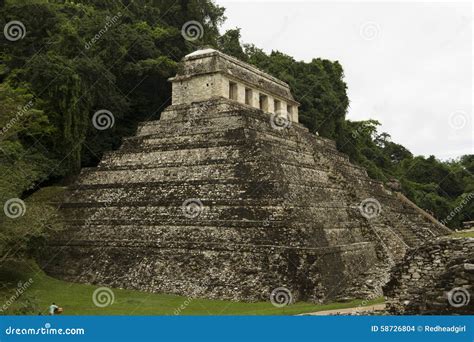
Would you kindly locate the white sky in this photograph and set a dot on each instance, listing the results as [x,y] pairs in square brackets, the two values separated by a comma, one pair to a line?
[408,65]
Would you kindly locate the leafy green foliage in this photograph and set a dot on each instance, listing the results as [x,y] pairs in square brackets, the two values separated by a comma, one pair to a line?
[75,59]
[22,159]
[24,233]
[80,57]
[229,43]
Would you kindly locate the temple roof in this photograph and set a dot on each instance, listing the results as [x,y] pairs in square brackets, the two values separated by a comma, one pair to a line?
[209,60]
[200,52]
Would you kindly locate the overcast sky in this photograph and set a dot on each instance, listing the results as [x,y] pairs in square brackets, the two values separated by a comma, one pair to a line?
[408,65]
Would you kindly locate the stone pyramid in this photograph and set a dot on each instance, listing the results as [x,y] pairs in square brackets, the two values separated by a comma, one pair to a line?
[227,196]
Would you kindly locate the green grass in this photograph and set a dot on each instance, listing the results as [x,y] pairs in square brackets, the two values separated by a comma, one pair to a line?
[463,234]
[76,299]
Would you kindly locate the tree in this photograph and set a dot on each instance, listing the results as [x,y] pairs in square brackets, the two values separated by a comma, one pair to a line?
[229,43]
[77,58]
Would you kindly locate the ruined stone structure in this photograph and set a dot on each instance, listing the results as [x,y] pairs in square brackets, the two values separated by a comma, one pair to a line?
[229,197]
[437,278]
[208,73]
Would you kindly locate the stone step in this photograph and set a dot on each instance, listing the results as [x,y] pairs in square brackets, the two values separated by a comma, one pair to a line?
[212,137]
[408,236]
[210,189]
[212,207]
[223,168]
[218,137]
[262,127]
[263,248]
[195,174]
[270,225]
[203,246]
[262,233]
[156,158]
[247,203]
[205,150]
[328,216]
[204,124]
[246,158]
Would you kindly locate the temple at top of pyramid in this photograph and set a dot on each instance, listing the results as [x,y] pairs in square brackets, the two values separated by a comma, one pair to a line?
[214,200]
[209,73]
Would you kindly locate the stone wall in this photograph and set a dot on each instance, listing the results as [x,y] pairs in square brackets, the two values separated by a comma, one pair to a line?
[436,278]
[198,88]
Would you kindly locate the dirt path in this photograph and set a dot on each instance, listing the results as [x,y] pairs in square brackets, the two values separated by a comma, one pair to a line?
[374,307]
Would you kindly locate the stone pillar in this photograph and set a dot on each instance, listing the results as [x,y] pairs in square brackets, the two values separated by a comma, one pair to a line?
[295,114]
[222,86]
[240,93]
[283,108]
[271,107]
[256,98]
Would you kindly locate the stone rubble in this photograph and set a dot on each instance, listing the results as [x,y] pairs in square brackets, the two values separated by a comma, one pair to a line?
[429,275]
